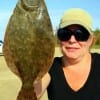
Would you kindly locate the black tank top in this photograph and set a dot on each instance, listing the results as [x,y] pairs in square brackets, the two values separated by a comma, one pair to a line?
[59,89]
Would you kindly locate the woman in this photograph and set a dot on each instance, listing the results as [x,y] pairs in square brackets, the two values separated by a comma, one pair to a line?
[75,75]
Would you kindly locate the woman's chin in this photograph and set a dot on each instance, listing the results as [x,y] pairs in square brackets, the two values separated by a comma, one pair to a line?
[72,55]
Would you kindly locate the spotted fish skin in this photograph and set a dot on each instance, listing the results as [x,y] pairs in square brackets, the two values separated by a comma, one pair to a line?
[29,44]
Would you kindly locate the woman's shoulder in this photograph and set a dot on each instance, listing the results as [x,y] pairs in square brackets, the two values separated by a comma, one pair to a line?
[96,59]
[58,58]
[57,61]
[56,64]
[96,55]
[96,66]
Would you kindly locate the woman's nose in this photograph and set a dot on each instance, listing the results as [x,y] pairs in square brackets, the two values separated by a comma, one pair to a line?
[72,39]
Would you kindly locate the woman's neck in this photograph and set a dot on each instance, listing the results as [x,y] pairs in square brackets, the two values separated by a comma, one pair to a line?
[67,62]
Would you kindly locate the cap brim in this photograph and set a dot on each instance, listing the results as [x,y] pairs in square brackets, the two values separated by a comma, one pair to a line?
[68,23]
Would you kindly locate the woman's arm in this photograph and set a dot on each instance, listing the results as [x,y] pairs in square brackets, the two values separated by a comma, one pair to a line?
[41,85]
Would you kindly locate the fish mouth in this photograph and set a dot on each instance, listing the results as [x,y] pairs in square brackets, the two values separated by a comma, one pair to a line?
[30,5]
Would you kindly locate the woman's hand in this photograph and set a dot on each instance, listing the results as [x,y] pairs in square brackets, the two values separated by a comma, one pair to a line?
[41,85]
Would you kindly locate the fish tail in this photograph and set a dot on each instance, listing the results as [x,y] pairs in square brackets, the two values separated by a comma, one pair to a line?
[27,94]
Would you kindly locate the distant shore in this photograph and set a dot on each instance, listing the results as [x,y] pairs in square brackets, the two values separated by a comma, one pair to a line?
[58,52]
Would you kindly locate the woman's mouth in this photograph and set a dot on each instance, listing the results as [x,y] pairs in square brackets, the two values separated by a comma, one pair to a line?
[72,49]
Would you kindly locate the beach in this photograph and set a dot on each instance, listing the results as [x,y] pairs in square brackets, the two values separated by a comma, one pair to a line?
[10,84]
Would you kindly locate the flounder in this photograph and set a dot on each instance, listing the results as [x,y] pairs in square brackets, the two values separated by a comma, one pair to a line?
[29,44]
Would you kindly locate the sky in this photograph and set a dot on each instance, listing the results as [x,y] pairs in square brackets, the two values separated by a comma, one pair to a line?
[55,9]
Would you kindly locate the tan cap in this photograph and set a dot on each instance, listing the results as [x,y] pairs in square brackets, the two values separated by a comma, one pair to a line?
[76,16]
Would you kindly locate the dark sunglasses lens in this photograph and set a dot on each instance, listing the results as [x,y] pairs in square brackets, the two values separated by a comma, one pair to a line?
[82,35]
[63,34]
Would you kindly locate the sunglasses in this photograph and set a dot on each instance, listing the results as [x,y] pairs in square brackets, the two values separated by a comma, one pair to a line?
[80,34]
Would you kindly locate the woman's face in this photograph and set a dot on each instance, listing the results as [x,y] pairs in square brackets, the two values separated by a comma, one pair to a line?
[74,49]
